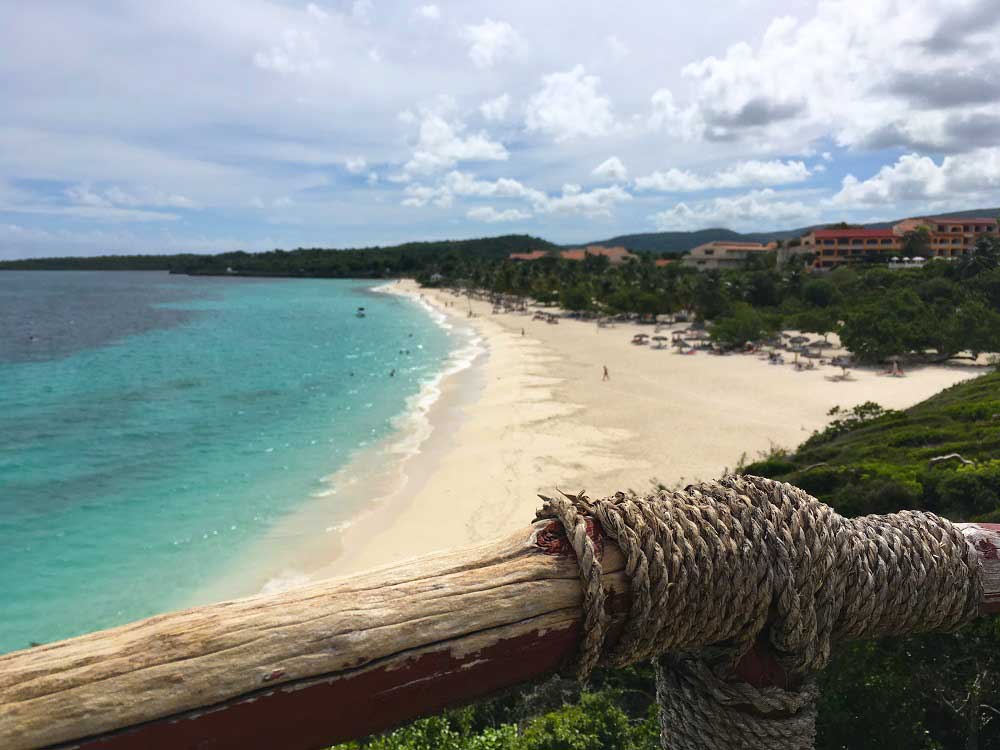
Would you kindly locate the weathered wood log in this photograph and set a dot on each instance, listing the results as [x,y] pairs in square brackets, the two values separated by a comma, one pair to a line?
[331,661]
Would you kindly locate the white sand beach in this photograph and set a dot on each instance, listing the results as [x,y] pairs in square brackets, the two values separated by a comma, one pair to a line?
[540,417]
[533,415]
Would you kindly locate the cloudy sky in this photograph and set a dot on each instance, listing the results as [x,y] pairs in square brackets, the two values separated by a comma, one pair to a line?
[209,125]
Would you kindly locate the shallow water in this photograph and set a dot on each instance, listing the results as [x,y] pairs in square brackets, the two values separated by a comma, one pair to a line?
[152,425]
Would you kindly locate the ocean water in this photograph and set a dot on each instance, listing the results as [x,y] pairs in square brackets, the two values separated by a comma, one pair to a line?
[151,426]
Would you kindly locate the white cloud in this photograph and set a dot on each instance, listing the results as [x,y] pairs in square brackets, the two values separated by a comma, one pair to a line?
[570,106]
[873,79]
[363,10]
[418,196]
[317,12]
[594,203]
[961,178]
[611,169]
[742,174]
[490,42]
[428,12]
[496,108]
[913,80]
[491,215]
[462,184]
[372,178]
[619,50]
[298,52]
[757,209]
[572,200]
[442,145]
[85,195]
[355,164]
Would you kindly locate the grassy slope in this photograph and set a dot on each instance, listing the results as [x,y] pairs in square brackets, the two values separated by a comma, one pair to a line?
[883,465]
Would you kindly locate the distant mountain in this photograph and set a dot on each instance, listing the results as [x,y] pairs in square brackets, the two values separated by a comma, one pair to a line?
[659,242]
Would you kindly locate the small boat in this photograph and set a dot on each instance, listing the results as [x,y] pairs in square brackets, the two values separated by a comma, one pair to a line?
[360,313]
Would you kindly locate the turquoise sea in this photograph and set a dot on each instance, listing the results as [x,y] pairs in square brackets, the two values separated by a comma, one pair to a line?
[151,426]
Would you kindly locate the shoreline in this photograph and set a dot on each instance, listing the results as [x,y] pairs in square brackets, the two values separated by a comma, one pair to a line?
[542,420]
[292,551]
[530,414]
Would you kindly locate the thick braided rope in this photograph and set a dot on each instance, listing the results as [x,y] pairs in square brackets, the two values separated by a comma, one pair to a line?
[595,616]
[700,711]
[725,563]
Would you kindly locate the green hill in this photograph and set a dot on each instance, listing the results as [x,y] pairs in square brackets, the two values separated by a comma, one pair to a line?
[868,461]
[368,262]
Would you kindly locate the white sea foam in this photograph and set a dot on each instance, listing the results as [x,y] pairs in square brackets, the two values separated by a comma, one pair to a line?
[413,426]
[414,423]
[284,581]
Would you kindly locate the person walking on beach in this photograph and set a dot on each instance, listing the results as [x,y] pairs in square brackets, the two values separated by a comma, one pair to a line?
[607,375]
[522,331]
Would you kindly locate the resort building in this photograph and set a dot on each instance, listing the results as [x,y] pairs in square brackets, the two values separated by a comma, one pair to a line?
[949,237]
[533,255]
[721,254]
[834,247]
[615,255]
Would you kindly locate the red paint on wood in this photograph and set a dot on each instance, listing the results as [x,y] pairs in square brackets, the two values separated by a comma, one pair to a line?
[552,538]
[985,539]
[987,549]
[317,713]
[760,668]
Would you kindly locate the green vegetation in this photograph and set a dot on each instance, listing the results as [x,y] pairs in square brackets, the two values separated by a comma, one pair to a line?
[371,262]
[929,692]
[932,312]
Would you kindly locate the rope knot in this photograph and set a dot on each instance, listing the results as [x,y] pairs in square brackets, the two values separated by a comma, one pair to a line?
[728,563]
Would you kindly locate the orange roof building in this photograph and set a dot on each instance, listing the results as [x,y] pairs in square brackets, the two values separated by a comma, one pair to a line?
[615,255]
[950,237]
[533,255]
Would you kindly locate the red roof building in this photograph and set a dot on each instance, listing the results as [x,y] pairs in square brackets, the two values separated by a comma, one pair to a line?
[949,237]
[835,247]
[533,255]
[615,255]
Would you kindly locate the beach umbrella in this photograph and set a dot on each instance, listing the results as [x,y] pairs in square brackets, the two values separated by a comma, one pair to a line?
[798,339]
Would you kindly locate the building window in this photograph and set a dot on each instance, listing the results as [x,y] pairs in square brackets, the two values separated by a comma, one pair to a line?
[710,252]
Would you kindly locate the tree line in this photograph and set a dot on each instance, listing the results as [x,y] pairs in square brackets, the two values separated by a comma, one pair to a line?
[935,310]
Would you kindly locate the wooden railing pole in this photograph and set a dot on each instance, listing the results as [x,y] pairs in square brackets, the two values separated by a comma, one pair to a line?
[331,661]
